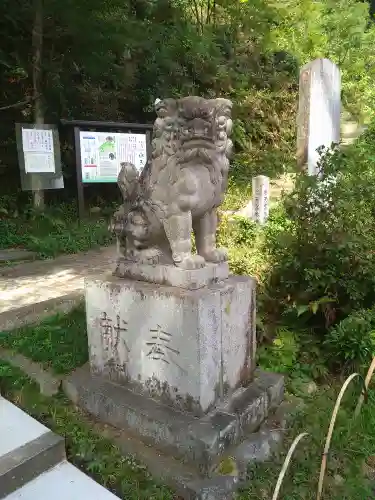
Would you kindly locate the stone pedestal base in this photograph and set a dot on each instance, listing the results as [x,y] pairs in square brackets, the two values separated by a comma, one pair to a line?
[171,275]
[186,348]
[198,444]
[173,367]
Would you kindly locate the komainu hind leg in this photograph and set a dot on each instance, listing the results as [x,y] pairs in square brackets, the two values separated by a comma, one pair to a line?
[205,238]
[178,229]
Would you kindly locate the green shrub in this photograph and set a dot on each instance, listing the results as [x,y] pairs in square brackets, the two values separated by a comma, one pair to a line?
[242,237]
[278,221]
[322,266]
[55,231]
[351,343]
[239,187]
[245,240]
[281,355]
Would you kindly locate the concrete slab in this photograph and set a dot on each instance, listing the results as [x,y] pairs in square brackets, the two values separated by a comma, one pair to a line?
[23,464]
[49,384]
[16,427]
[32,291]
[16,254]
[35,313]
[63,482]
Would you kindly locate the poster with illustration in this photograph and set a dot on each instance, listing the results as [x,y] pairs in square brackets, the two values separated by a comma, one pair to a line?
[103,152]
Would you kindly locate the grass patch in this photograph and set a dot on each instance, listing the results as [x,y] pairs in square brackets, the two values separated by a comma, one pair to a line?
[55,231]
[352,442]
[59,343]
[86,449]
[237,195]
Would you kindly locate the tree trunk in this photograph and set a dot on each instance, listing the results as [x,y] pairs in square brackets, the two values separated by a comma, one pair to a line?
[37,42]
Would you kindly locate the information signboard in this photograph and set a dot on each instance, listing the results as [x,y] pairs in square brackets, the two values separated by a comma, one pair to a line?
[101,147]
[103,152]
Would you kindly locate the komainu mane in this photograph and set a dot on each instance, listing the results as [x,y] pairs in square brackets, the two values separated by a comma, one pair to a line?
[180,188]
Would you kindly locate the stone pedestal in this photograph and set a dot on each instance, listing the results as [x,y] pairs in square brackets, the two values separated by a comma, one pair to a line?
[172,370]
[186,348]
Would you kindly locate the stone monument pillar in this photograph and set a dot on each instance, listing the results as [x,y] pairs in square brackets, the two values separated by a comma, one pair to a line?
[261,198]
[318,120]
[171,333]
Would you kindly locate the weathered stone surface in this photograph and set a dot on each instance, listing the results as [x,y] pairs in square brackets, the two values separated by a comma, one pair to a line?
[171,275]
[318,122]
[218,488]
[180,188]
[156,423]
[49,385]
[182,477]
[285,413]
[171,471]
[273,383]
[197,441]
[185,347]
[184,449]
[258,447]
[253,403]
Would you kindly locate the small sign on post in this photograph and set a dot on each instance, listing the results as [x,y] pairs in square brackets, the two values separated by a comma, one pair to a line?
[261,197]
[318,121]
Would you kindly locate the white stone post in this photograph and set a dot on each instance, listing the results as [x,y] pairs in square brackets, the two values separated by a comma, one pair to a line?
[318,121]
[261,198]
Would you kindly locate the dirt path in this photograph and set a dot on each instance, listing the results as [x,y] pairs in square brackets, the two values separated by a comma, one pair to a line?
[38,288]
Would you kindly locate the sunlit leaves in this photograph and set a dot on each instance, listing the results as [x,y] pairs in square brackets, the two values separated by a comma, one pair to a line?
[338,30]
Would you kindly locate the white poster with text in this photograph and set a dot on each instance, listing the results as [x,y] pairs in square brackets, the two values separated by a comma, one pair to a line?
[37,146]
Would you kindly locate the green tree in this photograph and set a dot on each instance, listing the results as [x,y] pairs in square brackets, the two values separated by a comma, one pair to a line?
[338,30]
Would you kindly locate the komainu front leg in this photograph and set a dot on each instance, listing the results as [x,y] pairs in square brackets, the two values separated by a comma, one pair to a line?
[178,230]
[205,238]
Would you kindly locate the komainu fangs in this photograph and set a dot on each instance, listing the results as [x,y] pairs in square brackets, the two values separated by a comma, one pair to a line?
[180,188]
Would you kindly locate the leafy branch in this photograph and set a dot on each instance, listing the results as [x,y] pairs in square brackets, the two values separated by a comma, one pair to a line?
[19,104]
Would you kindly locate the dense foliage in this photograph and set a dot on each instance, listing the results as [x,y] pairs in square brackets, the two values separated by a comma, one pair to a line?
[109,60]
[351,343]
[314,259]
[323,263]
[315,264]
[54,231]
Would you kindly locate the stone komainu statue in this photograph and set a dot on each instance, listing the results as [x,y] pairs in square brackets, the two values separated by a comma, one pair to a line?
[180,188]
